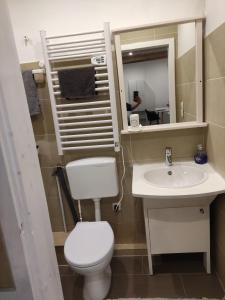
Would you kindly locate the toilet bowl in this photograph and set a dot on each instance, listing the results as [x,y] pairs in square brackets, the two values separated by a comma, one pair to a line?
[88,250]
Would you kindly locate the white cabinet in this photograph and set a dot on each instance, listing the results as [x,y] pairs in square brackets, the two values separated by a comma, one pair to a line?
[177,230]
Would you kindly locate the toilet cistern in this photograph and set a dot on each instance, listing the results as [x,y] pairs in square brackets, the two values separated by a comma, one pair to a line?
[168,156]
[93,178]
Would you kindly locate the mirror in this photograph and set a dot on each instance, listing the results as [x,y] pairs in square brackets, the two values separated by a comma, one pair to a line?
[158,74]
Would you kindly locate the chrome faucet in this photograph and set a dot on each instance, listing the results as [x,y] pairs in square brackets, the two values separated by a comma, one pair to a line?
[168,153]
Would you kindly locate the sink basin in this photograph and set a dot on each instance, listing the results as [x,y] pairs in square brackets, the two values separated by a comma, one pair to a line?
[181,185]
[177,176]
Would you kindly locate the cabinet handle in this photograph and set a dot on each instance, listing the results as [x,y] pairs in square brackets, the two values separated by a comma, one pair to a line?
[202,211]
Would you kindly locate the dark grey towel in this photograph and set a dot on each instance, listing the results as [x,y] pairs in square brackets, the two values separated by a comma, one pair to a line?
[77,83]
[31,92]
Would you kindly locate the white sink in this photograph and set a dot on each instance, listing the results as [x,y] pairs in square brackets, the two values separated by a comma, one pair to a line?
[176,176]
[182,185]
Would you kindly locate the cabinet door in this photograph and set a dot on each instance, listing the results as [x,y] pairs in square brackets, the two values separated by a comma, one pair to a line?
[179,230]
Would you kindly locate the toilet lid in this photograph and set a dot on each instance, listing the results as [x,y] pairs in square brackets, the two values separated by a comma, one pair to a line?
[88,244]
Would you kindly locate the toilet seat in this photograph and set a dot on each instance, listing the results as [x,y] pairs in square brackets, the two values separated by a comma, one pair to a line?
[89,244]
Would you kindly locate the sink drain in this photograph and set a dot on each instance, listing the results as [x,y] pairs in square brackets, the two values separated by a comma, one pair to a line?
[170,173]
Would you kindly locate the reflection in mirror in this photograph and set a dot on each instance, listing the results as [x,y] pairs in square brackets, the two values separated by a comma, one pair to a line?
[146,83]
[158,73]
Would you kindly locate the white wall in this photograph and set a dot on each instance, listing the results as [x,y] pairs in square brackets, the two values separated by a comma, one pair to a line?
[186,38]
[151,80]
[215,14]
[29,17]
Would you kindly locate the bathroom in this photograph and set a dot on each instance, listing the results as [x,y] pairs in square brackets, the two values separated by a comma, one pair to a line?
[33,265]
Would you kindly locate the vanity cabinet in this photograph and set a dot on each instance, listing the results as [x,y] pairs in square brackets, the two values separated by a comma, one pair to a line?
[177,230]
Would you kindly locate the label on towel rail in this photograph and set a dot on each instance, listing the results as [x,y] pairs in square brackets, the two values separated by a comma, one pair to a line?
[99,60]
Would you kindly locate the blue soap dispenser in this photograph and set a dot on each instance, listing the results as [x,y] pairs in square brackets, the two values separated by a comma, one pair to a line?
[201,156]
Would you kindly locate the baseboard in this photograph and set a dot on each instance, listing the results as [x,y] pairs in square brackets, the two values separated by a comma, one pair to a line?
[60,237]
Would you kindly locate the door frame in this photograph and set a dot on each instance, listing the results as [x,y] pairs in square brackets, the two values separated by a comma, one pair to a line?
[24,214]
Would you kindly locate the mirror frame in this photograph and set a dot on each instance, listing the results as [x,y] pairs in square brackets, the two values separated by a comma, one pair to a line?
[198,74]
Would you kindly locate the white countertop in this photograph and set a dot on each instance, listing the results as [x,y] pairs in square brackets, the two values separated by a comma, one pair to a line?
[213,185]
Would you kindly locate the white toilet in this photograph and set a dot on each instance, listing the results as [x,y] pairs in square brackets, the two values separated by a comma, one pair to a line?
[89,247]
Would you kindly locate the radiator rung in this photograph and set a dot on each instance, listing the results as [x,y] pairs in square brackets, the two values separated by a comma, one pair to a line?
[65,57]
[88,147]
[87,141]
[76,48]
[85,117]
[100,75]
[75,42]
[86,129]
[75,136]
[85,123]
[92,103]
[76,111]
[72,35]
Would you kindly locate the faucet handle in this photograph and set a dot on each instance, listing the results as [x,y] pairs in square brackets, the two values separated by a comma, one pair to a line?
[168,150]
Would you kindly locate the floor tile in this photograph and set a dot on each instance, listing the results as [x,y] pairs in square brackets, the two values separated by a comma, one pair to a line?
[126,265]
[202,285]
[144,286]
[175,263]
[72,287]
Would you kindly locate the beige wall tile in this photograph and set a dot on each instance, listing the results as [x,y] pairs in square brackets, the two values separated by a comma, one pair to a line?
[167,36]
[43,92]
[151,146]
[149,34]
[214,54]
[38,123]
[185,67]
[43,122]
[189,117]
[55,213]
[216,147]
[215,101]
[29,66]
[129,233]
[49,181]
[138,35]
[48,153]
[73,155]
[127,182]
[127,149]
[186,93]
[166,29]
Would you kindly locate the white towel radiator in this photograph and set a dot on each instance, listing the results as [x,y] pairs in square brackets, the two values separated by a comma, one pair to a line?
[81,125]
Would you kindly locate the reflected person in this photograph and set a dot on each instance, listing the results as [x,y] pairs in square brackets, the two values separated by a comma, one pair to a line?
[136,102]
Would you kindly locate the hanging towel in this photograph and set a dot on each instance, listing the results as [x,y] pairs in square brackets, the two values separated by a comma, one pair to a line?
[77,83]
[31,92]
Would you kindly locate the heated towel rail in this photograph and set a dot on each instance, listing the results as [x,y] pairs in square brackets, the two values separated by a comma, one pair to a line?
[89,124]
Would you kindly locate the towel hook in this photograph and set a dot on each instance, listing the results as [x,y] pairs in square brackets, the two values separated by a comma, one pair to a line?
[26,39]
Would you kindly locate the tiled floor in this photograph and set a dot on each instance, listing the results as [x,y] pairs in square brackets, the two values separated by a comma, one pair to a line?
[176,276]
